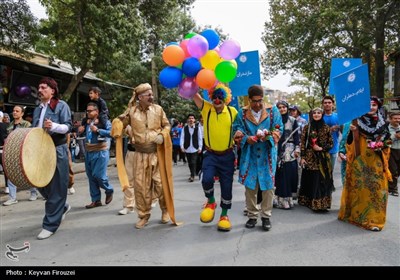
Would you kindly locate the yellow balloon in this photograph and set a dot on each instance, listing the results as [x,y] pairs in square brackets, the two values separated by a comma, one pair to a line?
[210,60]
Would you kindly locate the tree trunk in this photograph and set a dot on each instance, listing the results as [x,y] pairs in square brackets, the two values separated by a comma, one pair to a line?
[73,84]
[379,57]
[397,75]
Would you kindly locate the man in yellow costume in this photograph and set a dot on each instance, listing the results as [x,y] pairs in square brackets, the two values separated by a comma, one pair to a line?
[219,158]
[152,161]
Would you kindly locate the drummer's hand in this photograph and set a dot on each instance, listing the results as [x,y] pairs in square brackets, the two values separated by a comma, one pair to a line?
[47,124]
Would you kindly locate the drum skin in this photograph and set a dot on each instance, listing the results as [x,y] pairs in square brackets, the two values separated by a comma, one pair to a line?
[29,157]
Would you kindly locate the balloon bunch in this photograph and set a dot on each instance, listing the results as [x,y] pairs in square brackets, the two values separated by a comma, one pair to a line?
[199,61]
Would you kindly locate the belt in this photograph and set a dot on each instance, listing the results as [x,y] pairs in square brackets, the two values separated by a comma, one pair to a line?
[219,153]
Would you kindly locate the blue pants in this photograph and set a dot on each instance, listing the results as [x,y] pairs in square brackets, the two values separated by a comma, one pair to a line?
[224,167]
[96,171]
[55,192]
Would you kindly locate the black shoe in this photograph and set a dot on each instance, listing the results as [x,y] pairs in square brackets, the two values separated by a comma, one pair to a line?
[251,223]
[266,224]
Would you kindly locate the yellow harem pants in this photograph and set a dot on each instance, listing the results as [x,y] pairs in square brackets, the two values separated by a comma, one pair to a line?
[147,183]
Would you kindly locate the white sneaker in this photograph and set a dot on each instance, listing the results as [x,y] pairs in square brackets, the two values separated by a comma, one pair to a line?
[71,190]
[33,197]
[10,202]
[125,211]
[66,212]
[44,234]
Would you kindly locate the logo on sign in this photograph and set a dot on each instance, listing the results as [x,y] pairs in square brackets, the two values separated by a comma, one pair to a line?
[351,77]
[243,58]
[346,63]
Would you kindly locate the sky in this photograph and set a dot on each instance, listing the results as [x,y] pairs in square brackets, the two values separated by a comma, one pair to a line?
[242,20]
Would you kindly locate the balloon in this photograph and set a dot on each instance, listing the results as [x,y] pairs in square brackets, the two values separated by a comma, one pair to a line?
[212,38]
[173,55]
[191,66]
[170,77]
[197,46]
[188,88]
[230,49]
[225,71]
[183,45]
[210,60]
[206,78]
[190,35]
[172,43]
[22,90]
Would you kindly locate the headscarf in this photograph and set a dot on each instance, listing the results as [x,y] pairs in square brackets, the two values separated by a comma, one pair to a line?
[285,116]
[373,125]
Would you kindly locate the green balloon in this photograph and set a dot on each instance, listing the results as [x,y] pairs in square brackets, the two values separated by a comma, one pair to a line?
[225,71]
[190,35]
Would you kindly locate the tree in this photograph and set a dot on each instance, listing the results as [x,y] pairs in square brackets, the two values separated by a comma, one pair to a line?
[18,26]
[303,36]
[92,35]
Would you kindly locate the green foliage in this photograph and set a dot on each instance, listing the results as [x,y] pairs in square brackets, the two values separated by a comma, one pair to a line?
[18,26]
[303,35]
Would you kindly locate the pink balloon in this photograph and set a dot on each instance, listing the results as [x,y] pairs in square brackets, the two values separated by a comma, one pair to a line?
[188,88]
[230,49]
[197,46]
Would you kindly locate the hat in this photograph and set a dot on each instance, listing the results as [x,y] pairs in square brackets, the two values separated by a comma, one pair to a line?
[141,89]
[51,83]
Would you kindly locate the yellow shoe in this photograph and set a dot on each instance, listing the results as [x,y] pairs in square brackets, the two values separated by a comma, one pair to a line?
[224,224]
[208,212]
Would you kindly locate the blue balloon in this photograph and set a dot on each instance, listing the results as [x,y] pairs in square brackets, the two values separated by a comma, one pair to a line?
[173,43]
[170,77]
[191,66]
[212,38]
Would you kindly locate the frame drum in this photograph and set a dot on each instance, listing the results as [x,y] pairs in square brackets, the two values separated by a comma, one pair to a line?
[29,157]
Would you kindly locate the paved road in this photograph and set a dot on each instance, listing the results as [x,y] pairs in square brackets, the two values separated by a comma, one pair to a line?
[99,237]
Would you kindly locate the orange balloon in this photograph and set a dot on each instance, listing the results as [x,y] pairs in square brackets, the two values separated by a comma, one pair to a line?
[206,78]
[173,55]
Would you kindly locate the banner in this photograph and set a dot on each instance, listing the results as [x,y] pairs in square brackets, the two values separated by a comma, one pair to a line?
[248,73]
[352,93]
[339,66]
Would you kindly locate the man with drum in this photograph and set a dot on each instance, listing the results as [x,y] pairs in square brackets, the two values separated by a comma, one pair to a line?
[54,116]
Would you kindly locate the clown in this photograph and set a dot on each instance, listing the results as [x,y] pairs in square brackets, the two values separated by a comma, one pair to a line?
[219,156]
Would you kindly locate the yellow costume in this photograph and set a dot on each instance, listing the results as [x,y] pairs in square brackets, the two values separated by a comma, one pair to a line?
[365,192]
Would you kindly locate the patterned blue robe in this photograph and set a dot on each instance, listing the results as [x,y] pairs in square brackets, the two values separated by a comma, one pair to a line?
[258,161]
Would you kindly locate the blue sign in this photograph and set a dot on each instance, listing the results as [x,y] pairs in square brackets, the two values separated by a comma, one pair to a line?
[235,102]
[248,73]
[339,66]
[352,94]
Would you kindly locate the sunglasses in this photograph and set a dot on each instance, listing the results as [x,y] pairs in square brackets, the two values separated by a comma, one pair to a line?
[218,96]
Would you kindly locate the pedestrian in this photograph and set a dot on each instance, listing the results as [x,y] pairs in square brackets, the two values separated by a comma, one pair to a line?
[191,144]
[54,116]
[316,179]
[287,176]
[152,160]
[365,191]
[258,128]
[219,157]
[97,156]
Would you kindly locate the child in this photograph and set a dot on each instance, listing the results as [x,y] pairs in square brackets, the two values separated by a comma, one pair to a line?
[94,95]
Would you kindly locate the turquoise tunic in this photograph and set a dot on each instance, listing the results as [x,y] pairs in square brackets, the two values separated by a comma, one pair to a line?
[258,161]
